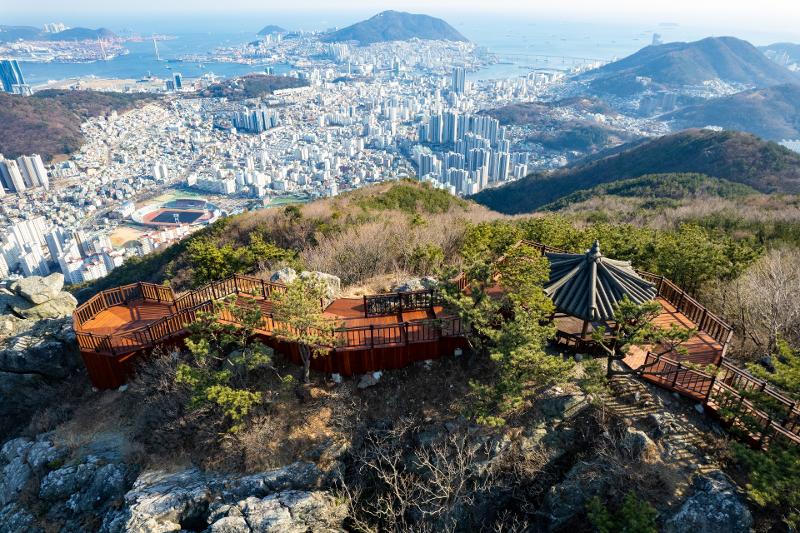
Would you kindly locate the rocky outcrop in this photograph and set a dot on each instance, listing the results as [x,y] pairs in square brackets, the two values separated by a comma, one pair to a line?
[286,499]
[37,344]
[285,275]
[38,298]
[715,507]
[99,488]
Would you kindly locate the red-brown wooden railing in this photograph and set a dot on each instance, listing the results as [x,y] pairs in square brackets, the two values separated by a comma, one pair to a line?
[727,390]
[185,310]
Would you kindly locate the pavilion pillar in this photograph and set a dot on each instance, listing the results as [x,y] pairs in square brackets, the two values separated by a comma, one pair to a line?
[584,329]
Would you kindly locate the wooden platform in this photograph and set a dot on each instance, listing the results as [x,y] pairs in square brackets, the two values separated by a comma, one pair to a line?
[124,318]
[701,349]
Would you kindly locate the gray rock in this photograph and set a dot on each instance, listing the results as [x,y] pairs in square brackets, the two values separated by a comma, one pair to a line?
[331,283]
[638,445]
[715,507]
[409,285]
[369,380]
[62,305]
[15,519]
[38,290]
[42,454]
[284,275]
[167,501]
[15,476]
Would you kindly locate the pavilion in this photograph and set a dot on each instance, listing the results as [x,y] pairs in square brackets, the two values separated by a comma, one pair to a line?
[586,288]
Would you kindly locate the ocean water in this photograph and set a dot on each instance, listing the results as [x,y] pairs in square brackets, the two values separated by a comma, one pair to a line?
[526,43]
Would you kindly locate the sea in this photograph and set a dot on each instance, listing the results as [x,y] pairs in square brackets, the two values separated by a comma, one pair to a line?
[523,43]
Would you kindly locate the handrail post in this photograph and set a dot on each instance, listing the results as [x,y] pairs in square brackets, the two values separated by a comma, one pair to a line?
[263,289]
[710,388]
[366,313]
[372,335]
[675,379]
[236,284]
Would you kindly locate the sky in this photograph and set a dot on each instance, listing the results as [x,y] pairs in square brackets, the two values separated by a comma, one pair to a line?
[779,17]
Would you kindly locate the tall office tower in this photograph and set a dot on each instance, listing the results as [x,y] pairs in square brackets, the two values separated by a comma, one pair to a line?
[11,176]
[160,171]
[178,77]
[458,83]
[11,76]
[33,172]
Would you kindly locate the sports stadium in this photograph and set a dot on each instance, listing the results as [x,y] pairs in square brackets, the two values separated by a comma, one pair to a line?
[178,212]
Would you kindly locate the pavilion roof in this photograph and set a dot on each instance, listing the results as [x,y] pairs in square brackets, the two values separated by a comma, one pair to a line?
[589,286]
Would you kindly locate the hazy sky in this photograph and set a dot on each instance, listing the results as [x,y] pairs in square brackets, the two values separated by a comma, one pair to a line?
[780,16]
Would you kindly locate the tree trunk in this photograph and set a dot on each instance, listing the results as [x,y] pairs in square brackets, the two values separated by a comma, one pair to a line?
[305,355]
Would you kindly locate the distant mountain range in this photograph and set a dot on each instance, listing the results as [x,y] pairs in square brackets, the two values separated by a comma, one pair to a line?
[271,28]
[735,156]
[786,54]
[31,33]
[772,113]
[396,26]
[673,65]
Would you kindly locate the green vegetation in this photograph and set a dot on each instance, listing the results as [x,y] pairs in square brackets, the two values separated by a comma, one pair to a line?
[222,359]
[786,372]
[738,157]
[212,263]
[633,516]
[250,86]
[664,187]
[690,256]
[773,479]
[49,122]
[511,329]
[299,317]
[411,198]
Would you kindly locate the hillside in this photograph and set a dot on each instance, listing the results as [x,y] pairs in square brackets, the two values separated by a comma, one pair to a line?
[271,28]
[251,86]
[738,157]
[551,129]
[786,54]
[728,59]
[668,187]
[772,113]
[49,122]
[31,33]
[396,26]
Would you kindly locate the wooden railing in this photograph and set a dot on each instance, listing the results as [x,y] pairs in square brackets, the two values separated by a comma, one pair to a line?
[388,304]
[727,391]
[705,320]
[185,310]
[121,296]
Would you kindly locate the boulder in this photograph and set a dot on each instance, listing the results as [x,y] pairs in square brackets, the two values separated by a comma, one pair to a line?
[331,283]
[638,446]
[60,306]
[15,519]
[285,275]
[369,380]
[416,284]
[714,507]
[38,290]
[290,512]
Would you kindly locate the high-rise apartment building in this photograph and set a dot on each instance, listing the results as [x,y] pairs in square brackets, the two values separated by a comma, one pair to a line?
[11,76]
[459,81]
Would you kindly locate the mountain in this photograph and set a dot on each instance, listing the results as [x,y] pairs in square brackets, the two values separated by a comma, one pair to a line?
[564,125]
[81,34]
[670,187]
[49,122]
[396,26]
[30,33]
[735,156]
[786,54]
[679,64]
[271,28]
[772,113]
